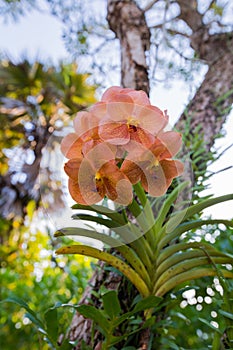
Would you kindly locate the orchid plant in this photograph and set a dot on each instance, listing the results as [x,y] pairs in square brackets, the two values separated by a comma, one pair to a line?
[120,150]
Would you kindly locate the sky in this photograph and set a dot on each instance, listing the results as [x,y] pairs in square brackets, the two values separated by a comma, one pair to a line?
[39,36]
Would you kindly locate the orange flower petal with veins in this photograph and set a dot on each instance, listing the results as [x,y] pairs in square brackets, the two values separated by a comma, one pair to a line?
[114,133]
[118,187]
[172,168]
[82,183]
[71,146]
[88,197]
[72,168]
[86,123]
[132,171]
[139,136]
[172,141]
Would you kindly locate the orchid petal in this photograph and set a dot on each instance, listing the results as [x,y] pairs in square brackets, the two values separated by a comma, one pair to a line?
[118,187]
[110,93]
[151,118]
[88,197]
[72,168]
[99,110]
[140,136]
[85,122]
[172,168]
[154,181]
[172,141]
[119,111]
[114,133]
[71,146]
[139,97]
[132,171]
[100,154]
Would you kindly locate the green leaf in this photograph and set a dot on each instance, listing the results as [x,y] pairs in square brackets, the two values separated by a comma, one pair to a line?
[30,313]
[147,303]
[167,205]
[210,325]
[97,219]
[51,320]
[112,260]
[78,231]
[128,253]
[96,315]
[66,345]
[111,304]
[123,231]
[100,209]
[197,208]
[226,314]
[184,214]
[186,276]
[171,250]
[176,231]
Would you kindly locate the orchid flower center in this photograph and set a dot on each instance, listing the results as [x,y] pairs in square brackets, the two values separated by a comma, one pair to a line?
[98,177]
[132,123]
[154,164]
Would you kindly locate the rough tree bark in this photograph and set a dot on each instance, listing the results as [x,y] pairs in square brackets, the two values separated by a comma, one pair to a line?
[209,107]
[128,22]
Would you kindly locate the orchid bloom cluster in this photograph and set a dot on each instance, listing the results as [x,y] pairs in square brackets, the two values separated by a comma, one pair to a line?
[117,143]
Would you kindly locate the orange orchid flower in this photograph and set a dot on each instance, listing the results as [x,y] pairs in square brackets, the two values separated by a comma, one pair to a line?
[125,115]
[95,176]
[119,142]
[125,121]
[153,167]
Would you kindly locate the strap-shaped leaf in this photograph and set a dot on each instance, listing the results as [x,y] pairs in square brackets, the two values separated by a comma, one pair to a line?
[144,221]
[186,226]
[112,260]
[167,205]
[128,232]
[226,314]
[182,256]
[178,247]
[185,214]
[189,276]
[51,319]
[102,210]
[188,265]
[128,253]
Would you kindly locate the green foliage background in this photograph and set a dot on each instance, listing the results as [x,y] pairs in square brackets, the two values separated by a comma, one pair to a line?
[29,268]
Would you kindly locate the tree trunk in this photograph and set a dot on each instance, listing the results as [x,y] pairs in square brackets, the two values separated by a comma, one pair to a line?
[209,107]
[128,22]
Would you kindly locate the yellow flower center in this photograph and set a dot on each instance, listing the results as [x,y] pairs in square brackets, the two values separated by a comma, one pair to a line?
[153,164]
[98,176]
[132,122]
